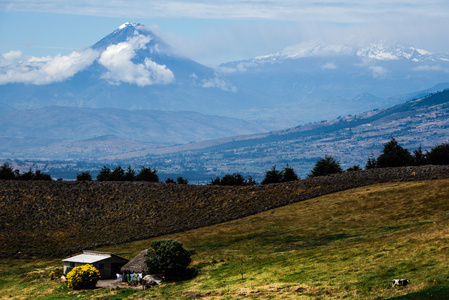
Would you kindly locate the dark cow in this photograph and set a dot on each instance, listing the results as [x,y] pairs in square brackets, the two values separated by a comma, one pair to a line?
[400,282]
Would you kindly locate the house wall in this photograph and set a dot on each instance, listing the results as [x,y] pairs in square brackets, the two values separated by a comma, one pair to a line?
[108,267]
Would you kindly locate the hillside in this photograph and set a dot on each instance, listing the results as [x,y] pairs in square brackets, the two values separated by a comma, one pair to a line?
[344,245]
[352,140]
[65,217]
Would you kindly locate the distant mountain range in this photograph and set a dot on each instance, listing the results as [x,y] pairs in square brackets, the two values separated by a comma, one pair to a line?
[318,81]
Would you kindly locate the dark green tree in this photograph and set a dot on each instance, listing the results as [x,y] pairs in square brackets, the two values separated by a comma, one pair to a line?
[105,174]
[27,175]
[272,176]
[215,181]
[167,257]
[83,176]
[371,163]
[181,180]
[354,168]
[169,180]
[146,174]
[439,155]
[394,155]
[234,179]
[250,181]
[118,174]
[130,174]
[7,172]
[288,174]
[419,157]
[38,175]
[325,166]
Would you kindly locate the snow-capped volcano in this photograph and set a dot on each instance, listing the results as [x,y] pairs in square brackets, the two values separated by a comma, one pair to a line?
[132,54]
[127,30]
[339,76]
[130,68]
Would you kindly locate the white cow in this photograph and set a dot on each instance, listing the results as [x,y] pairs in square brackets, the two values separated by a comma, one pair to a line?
[400,282]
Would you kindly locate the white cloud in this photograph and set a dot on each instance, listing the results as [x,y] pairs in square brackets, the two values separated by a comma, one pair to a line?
[43,70]
[118,61]
[219,83]
[340,11]
[329,66]
[378,71]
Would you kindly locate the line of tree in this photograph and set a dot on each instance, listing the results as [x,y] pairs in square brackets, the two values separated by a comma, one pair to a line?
[119,174]
[7,172]
[179,180]
[235,179]
[277,176]
[394,155]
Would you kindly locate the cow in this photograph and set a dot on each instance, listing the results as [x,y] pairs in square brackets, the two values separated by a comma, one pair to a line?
[400,282]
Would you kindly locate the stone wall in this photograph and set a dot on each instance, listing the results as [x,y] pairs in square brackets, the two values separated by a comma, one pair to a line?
[61,218]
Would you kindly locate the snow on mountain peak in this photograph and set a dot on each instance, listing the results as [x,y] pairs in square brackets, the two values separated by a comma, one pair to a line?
[307,49]
[127,24]
[381,51]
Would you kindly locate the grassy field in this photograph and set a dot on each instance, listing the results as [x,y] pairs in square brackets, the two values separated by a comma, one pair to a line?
[348,245]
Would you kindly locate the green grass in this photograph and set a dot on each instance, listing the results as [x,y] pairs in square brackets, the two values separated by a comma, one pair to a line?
[346,245]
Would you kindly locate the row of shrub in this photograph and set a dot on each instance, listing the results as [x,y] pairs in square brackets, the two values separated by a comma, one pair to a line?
[394,155]
[119,174]
[7,172]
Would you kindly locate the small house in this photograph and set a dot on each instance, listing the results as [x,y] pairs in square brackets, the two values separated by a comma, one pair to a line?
[107,263]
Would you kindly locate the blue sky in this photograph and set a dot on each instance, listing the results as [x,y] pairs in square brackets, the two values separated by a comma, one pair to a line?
[213,32]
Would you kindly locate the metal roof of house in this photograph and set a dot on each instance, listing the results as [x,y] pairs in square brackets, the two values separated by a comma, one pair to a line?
[87,258]
[90,257]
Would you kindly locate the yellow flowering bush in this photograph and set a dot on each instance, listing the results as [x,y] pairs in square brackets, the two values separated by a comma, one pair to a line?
[83,277]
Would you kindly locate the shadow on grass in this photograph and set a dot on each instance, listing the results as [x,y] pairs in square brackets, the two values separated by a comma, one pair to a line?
[436,292]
